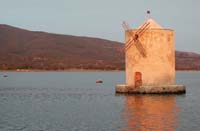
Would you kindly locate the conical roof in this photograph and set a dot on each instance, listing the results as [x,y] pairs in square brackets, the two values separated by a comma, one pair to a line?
[152,24]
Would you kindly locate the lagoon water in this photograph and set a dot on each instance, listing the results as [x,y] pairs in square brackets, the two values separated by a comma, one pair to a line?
[72,101]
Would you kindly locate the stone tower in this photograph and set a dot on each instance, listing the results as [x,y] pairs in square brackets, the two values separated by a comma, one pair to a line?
[150,60]
[157,66]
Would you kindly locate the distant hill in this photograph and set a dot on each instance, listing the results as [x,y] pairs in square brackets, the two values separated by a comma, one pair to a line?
[187,61]
[23,49]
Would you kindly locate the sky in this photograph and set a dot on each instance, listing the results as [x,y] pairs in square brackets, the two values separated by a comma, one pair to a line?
[103,18]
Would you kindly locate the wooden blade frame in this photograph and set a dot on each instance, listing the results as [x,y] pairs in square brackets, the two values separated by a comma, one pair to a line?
[126,27]
[136,35]
[140,48]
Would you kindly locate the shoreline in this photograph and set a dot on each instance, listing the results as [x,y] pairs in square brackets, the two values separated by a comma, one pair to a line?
[81,70]
[187,70]
[68,70]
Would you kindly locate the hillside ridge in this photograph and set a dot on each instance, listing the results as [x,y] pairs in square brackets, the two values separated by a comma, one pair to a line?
[24,49]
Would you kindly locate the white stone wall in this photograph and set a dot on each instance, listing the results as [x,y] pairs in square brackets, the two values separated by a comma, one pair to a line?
[158,67]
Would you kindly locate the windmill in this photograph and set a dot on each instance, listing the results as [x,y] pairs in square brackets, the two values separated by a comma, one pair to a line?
[149,59]
[134,39]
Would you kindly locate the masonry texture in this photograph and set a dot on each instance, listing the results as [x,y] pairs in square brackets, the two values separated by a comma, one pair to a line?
[150,61]
[158,65]
[162,89]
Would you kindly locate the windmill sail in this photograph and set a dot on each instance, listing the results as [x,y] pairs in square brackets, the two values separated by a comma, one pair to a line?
[139,33]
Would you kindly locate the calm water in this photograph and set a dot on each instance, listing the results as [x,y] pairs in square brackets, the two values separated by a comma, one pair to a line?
[72,101]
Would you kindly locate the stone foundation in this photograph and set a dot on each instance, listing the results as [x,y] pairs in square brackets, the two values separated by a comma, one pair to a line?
[162,89]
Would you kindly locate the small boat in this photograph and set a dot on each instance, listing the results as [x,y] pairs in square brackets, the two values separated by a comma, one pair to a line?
[99,81]
[5,75]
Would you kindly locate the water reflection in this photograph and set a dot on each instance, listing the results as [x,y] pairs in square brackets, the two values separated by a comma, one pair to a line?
[150,113]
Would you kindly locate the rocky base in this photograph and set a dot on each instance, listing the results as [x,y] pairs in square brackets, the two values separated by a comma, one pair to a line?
[162,89]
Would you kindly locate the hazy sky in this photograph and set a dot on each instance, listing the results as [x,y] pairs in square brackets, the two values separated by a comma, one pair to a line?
[103,18]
